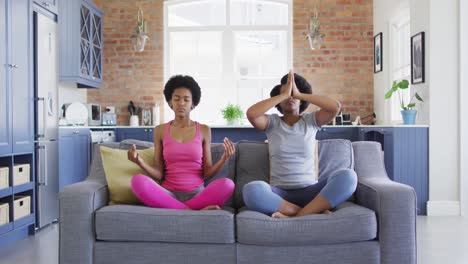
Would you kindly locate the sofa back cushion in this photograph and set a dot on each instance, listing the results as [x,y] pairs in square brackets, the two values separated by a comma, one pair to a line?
[252,164]
[227,171]
[334,155]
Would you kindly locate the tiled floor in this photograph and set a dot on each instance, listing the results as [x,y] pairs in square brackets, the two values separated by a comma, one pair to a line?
[440,240]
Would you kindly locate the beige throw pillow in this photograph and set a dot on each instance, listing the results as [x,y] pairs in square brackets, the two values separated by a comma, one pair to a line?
[119,172]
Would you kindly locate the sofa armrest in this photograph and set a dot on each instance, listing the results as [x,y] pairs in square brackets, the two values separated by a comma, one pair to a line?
[78,202]
[395,206]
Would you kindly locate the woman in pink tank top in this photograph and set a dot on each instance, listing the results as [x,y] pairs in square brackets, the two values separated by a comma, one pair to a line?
[182,157]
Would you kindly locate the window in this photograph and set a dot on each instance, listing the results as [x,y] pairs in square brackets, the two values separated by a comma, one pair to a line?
[237,50]
[401,62]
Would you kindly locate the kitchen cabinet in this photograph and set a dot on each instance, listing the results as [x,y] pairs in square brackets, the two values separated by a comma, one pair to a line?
[337,132]
[16,115]
[74,155]
[49,5]
[145,134]
[81,43]
[16,93]
[236,134]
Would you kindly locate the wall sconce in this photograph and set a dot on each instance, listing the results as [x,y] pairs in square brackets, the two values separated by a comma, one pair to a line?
[314,36]
[139,38]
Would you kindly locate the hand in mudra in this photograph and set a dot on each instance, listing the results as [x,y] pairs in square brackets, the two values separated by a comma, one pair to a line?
[133,155]
[229,149]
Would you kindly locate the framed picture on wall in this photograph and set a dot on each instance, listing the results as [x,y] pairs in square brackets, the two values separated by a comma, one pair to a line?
[417,58]
[378,52]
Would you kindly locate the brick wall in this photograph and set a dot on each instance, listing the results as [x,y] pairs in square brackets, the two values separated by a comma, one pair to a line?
[342,68]
[130,75]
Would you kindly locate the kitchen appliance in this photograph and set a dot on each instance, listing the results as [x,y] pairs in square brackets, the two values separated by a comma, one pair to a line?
[109,118]
[101,136]
[75,114]
[46,119]
[94,115]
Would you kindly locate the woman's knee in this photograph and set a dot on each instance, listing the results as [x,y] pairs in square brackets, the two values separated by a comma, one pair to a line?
[251,190]
[223,183]
[138,180]
[347,176]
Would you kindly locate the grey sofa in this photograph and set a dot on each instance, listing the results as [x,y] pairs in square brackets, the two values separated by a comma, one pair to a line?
[377,225]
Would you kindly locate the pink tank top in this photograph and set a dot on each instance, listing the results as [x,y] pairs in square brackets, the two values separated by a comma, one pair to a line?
[183,162]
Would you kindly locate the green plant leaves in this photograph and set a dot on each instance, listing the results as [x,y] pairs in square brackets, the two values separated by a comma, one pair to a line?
[418,97]
[232,112]
[403,84]
[389,94]
[411,105]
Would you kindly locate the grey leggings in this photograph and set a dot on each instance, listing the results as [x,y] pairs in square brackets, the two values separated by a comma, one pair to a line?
[261,197]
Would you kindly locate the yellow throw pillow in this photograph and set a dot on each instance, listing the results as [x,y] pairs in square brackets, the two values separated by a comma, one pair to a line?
[119,172]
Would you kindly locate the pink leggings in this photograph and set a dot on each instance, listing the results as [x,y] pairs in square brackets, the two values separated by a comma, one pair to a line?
[153,195]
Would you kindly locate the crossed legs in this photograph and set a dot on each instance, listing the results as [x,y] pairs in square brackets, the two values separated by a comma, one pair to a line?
[152,194]
[320,197]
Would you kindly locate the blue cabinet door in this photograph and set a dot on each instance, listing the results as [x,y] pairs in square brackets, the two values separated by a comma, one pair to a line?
[81,146]
[81,43]
[21,86]
[66,160]
[237,134]
[135,133]
[74,151]
[349,133]
[5,102]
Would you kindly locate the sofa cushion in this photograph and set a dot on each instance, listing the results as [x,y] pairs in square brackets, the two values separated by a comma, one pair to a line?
[334,155]
[349,223]
[140,223]
[227,171]
[252,164]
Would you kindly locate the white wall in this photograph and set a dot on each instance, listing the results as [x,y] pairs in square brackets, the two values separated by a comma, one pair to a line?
[463,107]
[68,93]
[420,22]
[440,22]
[384,11]
[444,181]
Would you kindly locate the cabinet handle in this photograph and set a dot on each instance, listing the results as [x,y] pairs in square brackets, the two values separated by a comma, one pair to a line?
[13,65]
[146,130]
[76,132]
[45,4]
[151,130]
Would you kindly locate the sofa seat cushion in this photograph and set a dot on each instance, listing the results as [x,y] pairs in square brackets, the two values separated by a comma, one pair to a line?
[141,223]
[349,223]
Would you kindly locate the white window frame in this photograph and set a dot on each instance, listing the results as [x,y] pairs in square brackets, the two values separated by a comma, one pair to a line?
[403,17]
[228,73]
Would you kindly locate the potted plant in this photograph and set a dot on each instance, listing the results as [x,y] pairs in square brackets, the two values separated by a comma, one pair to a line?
[232,114]
[407,111]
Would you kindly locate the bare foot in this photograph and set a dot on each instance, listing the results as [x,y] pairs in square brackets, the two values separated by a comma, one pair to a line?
[328,212]
[211,207]
[279,215]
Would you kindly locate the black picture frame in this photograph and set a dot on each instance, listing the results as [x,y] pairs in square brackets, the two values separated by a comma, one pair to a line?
[378,58]
[417,58]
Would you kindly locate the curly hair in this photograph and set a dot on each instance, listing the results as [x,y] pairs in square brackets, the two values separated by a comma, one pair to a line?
[182,81]
[302,85]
